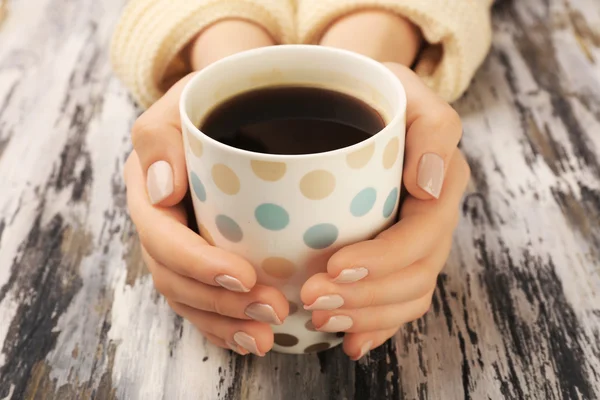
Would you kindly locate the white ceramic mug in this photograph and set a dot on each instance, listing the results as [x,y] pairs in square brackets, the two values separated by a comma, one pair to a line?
[287,214]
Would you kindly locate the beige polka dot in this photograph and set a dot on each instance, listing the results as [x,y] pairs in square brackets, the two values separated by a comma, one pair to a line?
[317,185]
[196,145]
[315,348]
[285,340]
[390,154]
[268,171]
[361,157]
[206,234]
[279,267]
[309,325]
[225,179]
[293,308]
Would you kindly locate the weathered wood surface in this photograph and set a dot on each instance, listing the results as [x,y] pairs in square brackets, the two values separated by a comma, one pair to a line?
[517,310]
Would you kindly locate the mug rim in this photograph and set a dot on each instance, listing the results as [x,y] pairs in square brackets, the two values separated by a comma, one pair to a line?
[400,112]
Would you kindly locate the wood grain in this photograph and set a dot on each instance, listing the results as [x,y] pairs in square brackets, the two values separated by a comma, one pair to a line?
[516,313]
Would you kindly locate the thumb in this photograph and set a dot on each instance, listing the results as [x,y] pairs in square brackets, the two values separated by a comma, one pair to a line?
[433,130]
[156,137]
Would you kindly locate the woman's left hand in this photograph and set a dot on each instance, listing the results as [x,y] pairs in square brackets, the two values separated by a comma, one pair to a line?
[372,288]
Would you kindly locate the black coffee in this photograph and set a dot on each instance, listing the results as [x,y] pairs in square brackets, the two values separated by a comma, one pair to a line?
[292,120]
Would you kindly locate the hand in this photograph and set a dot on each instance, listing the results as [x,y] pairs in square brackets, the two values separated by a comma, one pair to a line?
[386,282]
[213,289]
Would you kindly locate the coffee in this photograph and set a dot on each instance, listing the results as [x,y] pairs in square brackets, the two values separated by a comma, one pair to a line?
[292,120]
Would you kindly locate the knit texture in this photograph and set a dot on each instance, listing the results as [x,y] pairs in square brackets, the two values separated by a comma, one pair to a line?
[461,27]
[152,33]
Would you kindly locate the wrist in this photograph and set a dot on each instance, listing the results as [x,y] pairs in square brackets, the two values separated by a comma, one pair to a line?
[381,35]
[225,38]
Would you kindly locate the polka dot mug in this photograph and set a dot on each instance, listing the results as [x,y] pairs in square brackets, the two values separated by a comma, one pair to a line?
[287,214]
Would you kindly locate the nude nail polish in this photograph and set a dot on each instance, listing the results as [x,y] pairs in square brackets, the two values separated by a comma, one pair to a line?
[337,323]
[262,313]
[364,349]
[329,302]
[159,181]
[430,174]
[247,342]
[351,275]
[231,283]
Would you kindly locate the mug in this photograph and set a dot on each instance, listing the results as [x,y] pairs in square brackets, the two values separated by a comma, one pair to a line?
[287,214]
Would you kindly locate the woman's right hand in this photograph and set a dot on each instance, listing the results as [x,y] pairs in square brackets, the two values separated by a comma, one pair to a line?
[214,289]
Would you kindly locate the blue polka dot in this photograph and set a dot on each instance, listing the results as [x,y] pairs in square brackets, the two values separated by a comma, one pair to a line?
[390,203]
[198,187]
[363,202]
[229,228]
[272,217]
[321,236]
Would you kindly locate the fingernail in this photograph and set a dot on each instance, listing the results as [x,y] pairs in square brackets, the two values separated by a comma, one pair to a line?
[365,348]
[430,176]
[159,181]
[230,283]
[262,313]
[247,342]
[234,347]
[351,275]
[329,302]
[337,323]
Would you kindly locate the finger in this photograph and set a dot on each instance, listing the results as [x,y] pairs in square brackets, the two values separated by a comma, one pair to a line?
[255,337]
[372,318]
[410,283]
[161,232]
[262,304]
[421,225]
[217,341]
[357,345]
[156,137]
[433,132]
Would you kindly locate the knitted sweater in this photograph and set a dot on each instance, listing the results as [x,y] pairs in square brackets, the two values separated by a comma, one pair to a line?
[152,33]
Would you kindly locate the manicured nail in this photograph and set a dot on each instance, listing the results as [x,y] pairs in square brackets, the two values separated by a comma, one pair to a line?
[337,323]
[365,348]
[430,176]
[159,181]
[237,349]
[351,275]
[247,342]
[230,283]
[262,313]
[329,302]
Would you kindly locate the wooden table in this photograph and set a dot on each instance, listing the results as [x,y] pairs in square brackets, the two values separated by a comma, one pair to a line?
[517,310]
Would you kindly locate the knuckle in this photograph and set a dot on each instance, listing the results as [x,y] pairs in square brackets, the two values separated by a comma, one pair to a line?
[142,131]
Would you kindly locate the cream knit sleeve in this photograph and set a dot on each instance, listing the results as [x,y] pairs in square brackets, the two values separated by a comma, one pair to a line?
[151,34]
[461,27]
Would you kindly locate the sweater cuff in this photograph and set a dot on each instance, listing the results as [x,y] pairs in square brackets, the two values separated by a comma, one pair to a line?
[461,27]
[152,33]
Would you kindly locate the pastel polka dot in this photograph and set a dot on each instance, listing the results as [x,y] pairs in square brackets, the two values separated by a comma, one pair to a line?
[293,308]
[390,154]
[278,267]
[225,179]
[229,229]
[360,158]
[272,217]
[321,236]
[198,187]
[315,348]
[268,171]
[363,202]
[390,203]
[286,340]
[317,185]
[195,145]
[206,234]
